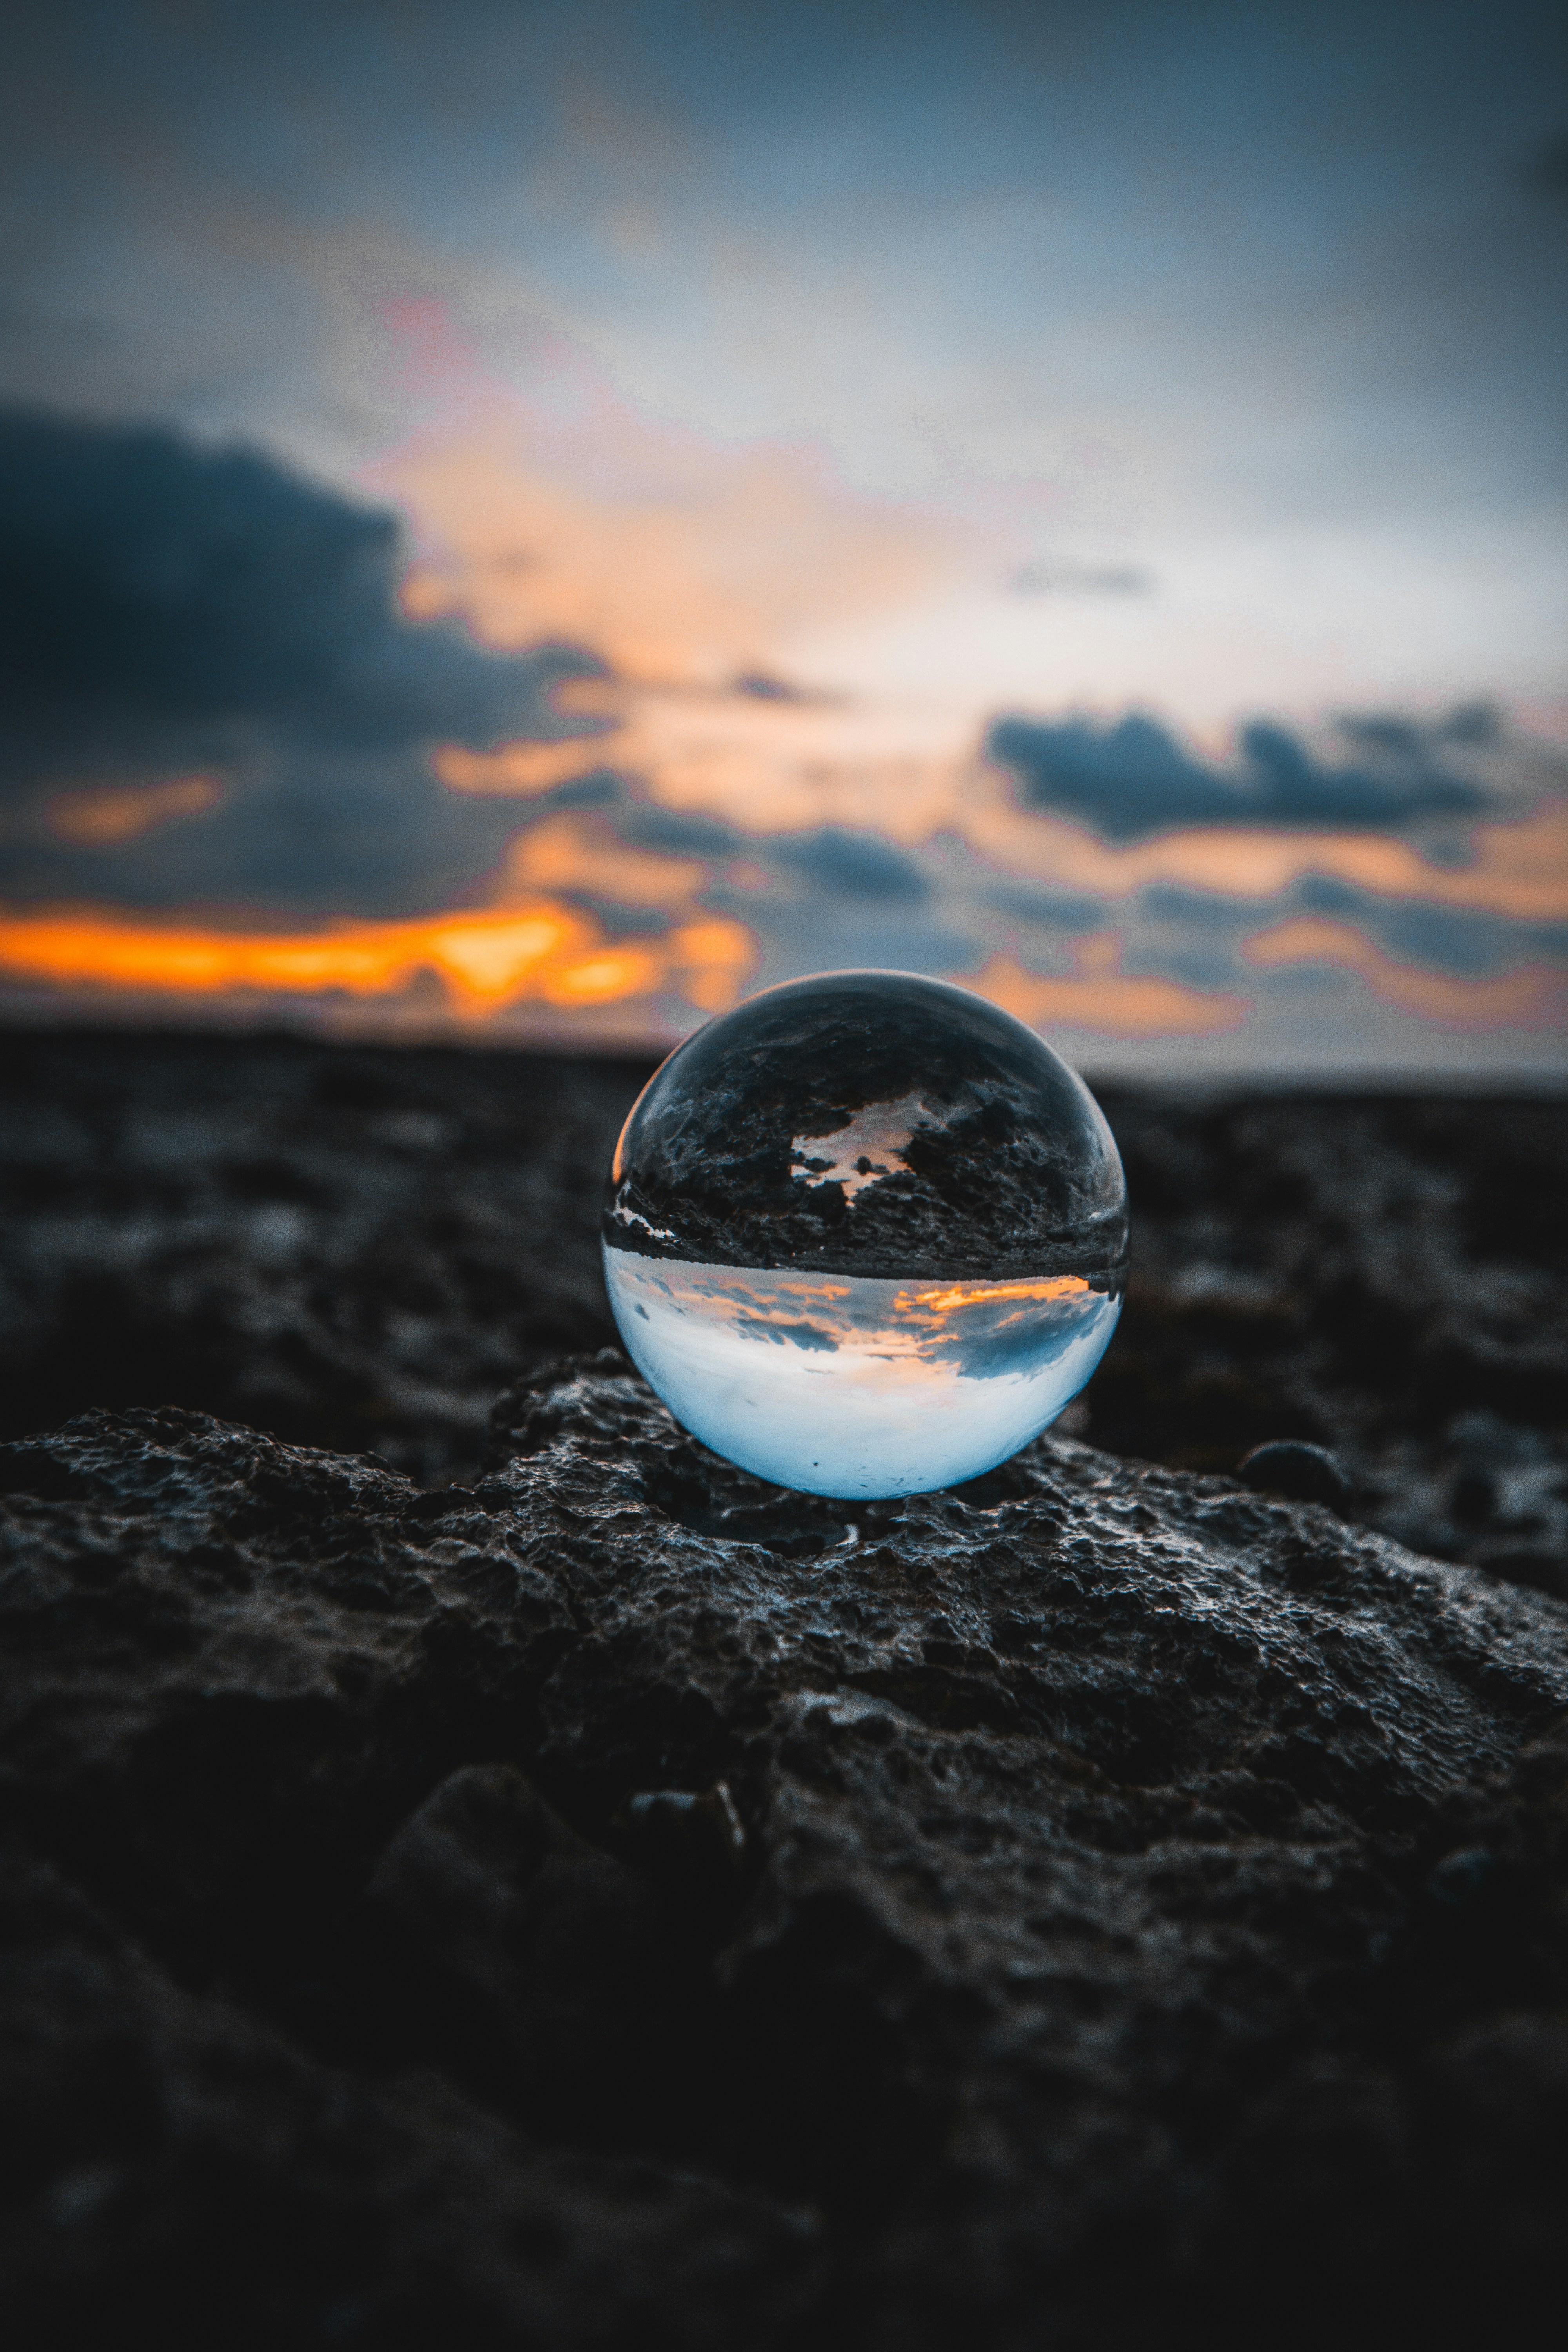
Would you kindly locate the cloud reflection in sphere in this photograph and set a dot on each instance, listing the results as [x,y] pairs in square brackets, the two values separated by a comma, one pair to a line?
[865,1235]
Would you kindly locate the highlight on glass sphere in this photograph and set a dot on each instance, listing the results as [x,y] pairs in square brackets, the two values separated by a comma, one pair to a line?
[865,1235]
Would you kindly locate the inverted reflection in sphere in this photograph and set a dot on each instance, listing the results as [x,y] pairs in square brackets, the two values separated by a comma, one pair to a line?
[865,1235]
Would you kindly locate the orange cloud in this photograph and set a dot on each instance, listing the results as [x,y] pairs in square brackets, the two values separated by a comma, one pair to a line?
[774,766]
[960,1295]
[1534,997]
[517,768]
[713,958]
[542,952]
[580,852]
[1102,997]
[670,556]
[101,818]
[762,765]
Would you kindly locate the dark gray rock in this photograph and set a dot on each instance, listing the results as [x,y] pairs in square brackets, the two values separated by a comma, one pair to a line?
[178,2169]
[359,1246]
[354,1248]
[1151,1915]
[1383,1275]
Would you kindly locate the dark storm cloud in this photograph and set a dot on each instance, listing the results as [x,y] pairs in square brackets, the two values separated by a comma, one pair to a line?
[1052,910]
[848,900]
[794,1335]
[601,788]
[679,833]
[1134,778]
[1202,910]
[305,828]
[857,865]
[1391,734]
[1476,725]
[830,929]
[1196,933]
[143,578]
[1465,941]
[165,606]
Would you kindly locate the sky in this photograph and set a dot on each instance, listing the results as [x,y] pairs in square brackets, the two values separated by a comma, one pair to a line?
[536,521]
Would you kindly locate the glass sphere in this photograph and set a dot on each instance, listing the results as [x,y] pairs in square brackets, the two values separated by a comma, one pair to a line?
[865,1235]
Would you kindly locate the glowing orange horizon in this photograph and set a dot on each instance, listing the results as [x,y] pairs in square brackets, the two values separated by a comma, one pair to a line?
[543,951]
[539,952]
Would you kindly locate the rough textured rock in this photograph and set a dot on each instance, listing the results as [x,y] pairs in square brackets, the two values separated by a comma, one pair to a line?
[359,1247]
[1383,1275]
[1150,1919]
[344,1247]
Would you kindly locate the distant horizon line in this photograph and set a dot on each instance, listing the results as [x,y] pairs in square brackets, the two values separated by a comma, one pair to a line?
[1515,1078]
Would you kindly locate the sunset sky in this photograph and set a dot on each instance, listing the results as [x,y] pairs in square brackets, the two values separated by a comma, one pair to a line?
[536,521]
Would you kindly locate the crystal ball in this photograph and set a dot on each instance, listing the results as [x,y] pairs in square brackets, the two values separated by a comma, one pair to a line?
[865,1235]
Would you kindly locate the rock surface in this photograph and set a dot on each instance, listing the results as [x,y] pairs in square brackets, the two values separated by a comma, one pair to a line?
[617,1904]
[359,1247]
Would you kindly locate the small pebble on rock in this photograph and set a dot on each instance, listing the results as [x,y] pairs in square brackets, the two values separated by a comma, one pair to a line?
[1302,1472]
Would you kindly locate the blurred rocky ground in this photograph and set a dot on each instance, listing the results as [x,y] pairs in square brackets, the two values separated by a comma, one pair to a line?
[577,1898]
[359,1247]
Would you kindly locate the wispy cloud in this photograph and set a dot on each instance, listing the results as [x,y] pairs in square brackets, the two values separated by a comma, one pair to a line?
[1134,778]
[1533,997]
[854,865]
[678,558]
